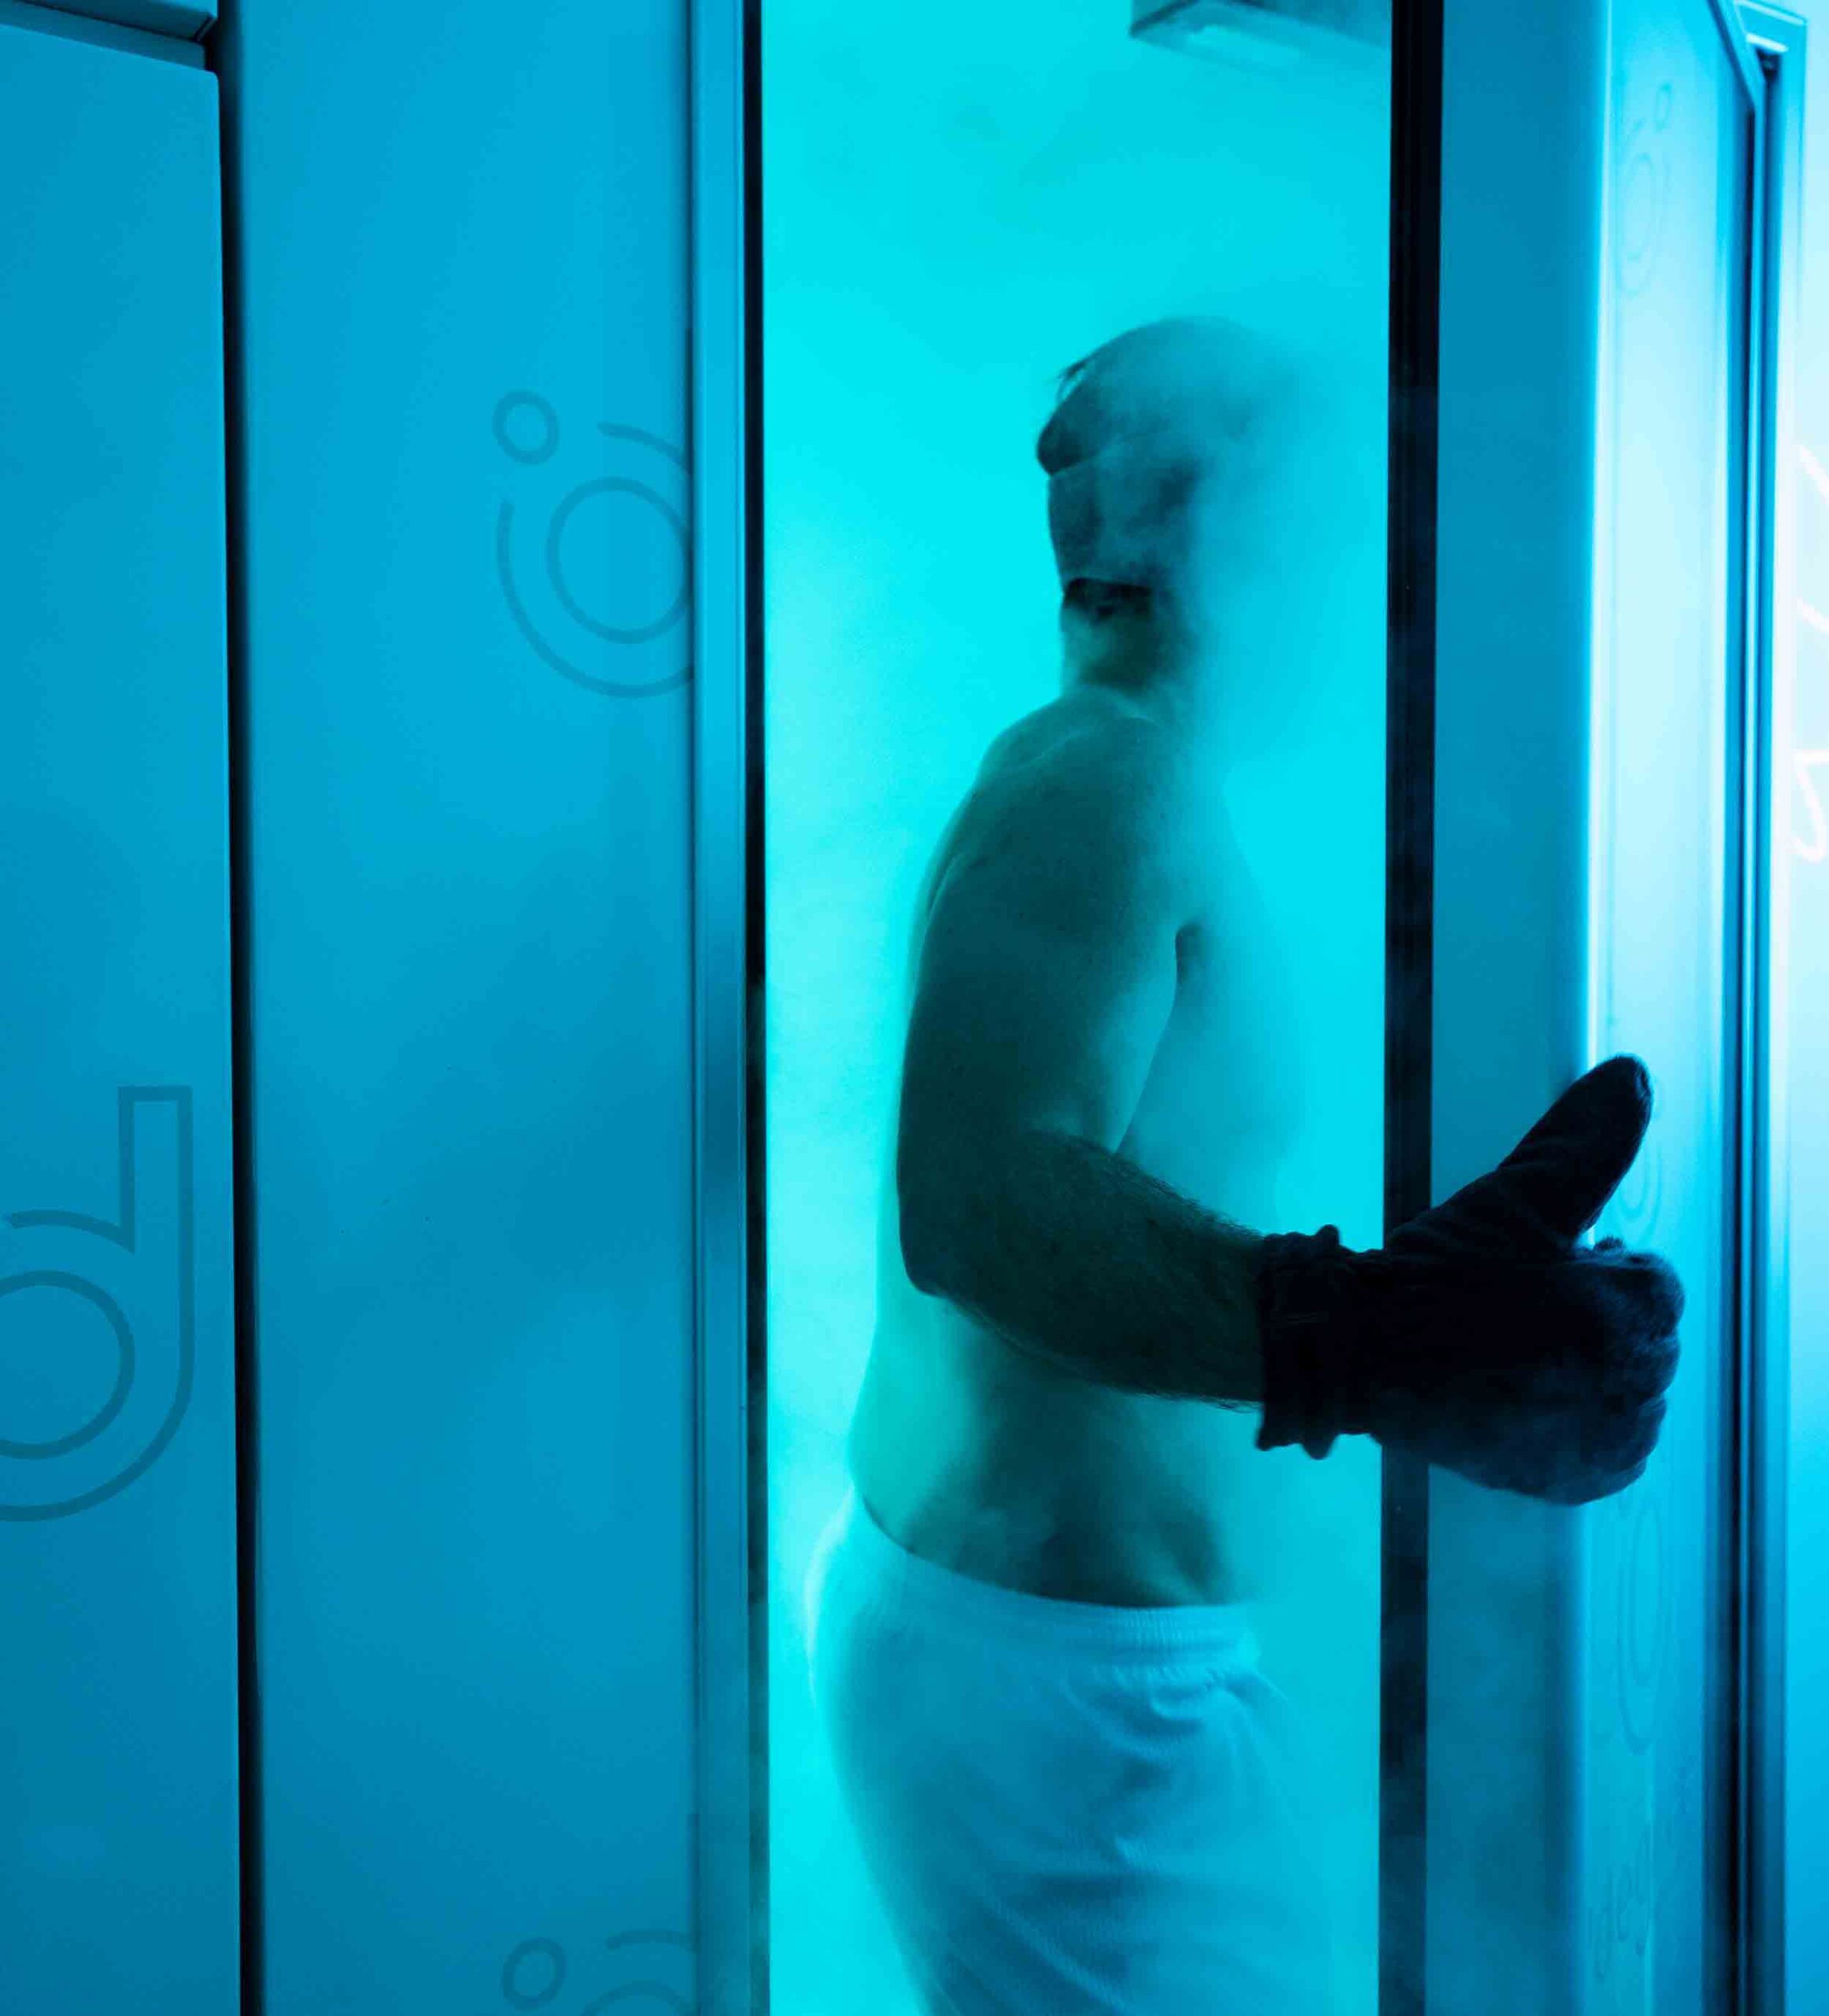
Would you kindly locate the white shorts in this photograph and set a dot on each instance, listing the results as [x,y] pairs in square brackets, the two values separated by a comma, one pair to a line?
[1066,1808]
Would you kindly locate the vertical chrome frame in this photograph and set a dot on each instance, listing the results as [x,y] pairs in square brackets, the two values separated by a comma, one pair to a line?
[1410,479]
[1731,1708]
[1735,1711]
[731,1807]
[1766,45]
[1776,41]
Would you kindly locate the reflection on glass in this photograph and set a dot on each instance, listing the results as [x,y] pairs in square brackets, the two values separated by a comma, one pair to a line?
[1073,1691]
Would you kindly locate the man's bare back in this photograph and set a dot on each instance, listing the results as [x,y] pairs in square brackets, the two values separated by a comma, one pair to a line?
[1087,886]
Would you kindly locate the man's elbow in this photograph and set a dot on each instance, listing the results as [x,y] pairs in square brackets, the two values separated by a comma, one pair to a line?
[948,1204]
[928,1242]
[934,1215]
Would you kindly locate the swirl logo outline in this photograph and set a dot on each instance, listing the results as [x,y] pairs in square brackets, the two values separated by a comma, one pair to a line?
[124,1234]
[663,489]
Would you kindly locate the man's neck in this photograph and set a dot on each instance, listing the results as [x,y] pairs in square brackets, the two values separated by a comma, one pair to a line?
[1183,692]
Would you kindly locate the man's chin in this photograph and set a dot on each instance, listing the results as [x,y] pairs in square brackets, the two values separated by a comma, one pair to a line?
[1101,600]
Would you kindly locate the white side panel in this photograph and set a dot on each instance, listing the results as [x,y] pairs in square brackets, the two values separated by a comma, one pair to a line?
[1524,108]
[1669,666]
[463,326]
[1597,179]
[118,1597]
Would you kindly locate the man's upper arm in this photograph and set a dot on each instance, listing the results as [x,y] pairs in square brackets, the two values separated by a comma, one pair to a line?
[1047,968]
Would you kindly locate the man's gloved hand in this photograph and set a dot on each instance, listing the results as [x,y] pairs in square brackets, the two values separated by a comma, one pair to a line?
[1481,1336]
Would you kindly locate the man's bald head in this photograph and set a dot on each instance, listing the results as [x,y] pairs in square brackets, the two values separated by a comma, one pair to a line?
[1155,450]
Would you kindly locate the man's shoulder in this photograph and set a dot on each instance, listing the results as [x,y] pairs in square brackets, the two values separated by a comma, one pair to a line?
[1102,790]
[1109,762]
[1101,748]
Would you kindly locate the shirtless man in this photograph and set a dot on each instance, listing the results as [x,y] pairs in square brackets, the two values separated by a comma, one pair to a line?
[1075,1791]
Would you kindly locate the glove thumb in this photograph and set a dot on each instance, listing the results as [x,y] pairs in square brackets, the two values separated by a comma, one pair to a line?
[1571,1161]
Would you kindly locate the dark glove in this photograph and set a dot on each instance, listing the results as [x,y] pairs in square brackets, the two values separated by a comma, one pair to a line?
[1481,1336]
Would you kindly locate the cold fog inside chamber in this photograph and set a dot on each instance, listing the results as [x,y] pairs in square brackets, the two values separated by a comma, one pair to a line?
[950,216]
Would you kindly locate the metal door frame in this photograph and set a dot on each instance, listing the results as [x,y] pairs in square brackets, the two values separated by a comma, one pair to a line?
[731,1807]
[1747,1973]
[1417,31]
[1776,40]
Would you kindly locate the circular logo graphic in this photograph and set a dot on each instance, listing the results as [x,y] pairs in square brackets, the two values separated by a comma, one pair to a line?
[594,552]
[1641,197]
[534,1973]
[61,1445]
[62,1267]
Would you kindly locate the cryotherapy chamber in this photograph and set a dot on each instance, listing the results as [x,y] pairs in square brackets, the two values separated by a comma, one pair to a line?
[575,531]
[1528,827]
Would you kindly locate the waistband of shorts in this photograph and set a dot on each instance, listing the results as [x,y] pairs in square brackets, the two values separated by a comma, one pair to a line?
[1175,1631]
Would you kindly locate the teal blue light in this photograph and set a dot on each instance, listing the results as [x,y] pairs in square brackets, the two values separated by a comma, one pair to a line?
[951,215]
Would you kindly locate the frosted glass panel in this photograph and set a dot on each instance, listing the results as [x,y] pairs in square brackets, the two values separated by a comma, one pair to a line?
[952,215]
[1667,673]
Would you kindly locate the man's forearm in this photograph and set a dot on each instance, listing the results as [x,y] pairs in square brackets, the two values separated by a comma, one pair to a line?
[1078,1256]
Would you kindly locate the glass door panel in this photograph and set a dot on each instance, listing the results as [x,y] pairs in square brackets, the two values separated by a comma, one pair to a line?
[954,212]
